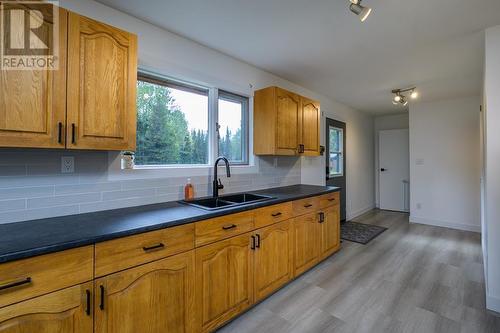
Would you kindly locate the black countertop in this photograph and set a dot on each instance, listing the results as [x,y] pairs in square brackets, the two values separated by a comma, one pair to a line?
[27,239]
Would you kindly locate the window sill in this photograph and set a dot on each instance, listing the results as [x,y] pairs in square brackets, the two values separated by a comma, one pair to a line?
[150,172]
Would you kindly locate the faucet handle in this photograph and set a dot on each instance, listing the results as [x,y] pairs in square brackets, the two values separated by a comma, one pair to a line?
[219,185]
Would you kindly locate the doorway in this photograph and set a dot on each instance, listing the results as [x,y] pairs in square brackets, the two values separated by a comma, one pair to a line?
[336,160]
[394,170]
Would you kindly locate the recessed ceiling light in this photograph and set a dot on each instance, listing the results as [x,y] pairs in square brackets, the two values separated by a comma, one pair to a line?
[360,10]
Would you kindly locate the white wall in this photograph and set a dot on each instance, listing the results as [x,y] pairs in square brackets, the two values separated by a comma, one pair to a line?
[31,185]
[382,123]
[491,220]
[445,163]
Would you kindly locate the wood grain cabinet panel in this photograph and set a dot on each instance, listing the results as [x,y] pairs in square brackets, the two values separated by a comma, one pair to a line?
[305,206]
[153,298]
[285,123]
[31,277]
[65,311]
[224,280]
[329,231]
[33,102]
[310,119]
[272,214]
[118,254]
[273,258]
[306,242]
[102,76]
[223,227]
[329,199]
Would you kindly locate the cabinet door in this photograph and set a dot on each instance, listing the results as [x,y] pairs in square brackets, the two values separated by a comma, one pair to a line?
[306,234]
[273,258]
[330,231]
[224,280]
[65,311]
[153,298]
[102,78]
[33,102]
[310,126]
[287,127]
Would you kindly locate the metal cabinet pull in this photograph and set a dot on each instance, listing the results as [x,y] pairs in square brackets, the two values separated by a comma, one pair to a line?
[308,205]
[301,149]
[101,303]
[59,134]
[228,227]
[331,199]
[321,217]
[153,247]
[87,310]
[15,283]
[73,133]
[252,245]
[276,214]
[258,241]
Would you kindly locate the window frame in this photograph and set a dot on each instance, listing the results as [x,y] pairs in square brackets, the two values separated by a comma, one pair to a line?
[213,95]
[245,135]
[339,153]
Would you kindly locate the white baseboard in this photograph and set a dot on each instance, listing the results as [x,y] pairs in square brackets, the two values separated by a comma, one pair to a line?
[445,224]
[493,303]
[359,212]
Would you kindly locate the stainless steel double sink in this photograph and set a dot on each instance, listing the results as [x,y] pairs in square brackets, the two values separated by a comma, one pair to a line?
[226,201]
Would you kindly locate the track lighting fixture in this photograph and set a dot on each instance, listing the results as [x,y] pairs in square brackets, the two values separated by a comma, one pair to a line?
[360,10]
[401,99]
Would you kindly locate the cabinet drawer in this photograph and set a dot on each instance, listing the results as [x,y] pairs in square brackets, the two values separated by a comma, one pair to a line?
[122,253]
[27,278]
[223,227]
[329,199]
[305,206]
[272,214]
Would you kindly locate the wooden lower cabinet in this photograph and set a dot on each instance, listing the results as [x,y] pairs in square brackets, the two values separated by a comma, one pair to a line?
[330,231]
[66,311]
[306,242]
[153,298]
[224,280]
[273,258]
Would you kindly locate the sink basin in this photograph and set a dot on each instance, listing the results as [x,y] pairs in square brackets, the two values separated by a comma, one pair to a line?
[226,201]
[209,203]
[244,197]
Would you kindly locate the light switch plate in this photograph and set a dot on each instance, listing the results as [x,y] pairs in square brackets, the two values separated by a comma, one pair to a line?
[67,164]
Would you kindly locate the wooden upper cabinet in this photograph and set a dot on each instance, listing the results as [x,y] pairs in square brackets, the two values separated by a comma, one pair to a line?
[33,102]
[273,258]
[102,76]
[154,298]
[65,311]
[224,281]
[285,123]
[310,119]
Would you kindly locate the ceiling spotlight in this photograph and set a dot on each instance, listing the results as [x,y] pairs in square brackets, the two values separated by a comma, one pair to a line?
[360,10]
[400,98]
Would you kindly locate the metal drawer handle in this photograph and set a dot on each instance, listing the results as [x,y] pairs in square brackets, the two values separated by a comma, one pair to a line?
[101,303]
[228,227]
[331,199]
[154,247]
[258,241]
[321,217]
[308,206]
[87,310]
[16,283]
[276,214]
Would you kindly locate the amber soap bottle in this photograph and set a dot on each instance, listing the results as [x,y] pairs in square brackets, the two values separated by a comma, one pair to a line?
[189,190]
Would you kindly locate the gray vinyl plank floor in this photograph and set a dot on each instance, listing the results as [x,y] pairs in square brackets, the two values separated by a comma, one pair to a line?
[411,278]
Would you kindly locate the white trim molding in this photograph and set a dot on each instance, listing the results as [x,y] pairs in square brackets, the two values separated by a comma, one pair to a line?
[445,224]
[359,212]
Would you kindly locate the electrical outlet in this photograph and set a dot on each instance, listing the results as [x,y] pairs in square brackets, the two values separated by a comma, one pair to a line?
[67,164]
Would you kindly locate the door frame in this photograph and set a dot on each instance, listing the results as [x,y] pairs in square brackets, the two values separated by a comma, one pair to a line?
[337,181]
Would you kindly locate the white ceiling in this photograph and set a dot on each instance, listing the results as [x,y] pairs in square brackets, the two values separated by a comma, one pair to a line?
[436,45]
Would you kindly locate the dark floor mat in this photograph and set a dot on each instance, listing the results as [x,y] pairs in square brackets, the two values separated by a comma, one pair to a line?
[359,232]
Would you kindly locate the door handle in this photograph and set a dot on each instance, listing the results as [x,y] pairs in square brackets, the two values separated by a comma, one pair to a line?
[383,169]
[258,241]
[87,310]
[252,245]
[101,303]
[59,134]
[73,133]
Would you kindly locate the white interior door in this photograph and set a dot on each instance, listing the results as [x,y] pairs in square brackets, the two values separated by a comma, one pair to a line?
[394,173]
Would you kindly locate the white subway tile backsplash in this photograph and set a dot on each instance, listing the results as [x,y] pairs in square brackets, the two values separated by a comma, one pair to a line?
[32,186]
